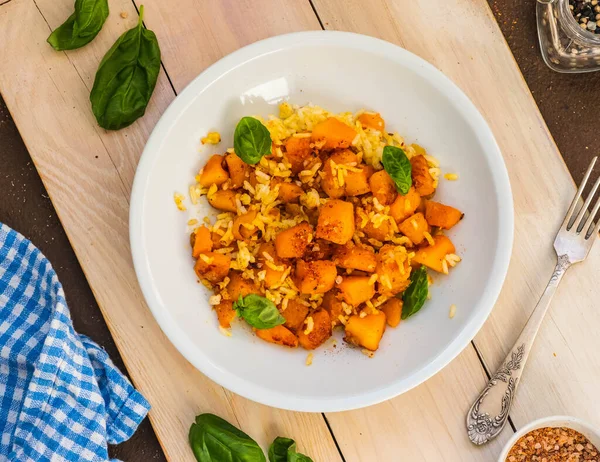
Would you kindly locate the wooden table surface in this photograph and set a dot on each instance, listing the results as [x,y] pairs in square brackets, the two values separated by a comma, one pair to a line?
[426,423]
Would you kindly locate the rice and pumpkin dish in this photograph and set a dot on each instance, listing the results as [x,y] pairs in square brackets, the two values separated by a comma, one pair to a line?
[325,221]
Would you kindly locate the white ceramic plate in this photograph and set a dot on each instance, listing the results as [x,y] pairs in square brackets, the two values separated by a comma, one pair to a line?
[339,71]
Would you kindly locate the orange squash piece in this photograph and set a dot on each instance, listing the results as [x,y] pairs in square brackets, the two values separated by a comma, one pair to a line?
[336,221]
[224,200]
[292,242]
[366,332]
[294,314]
[238,170]
[422,179]
[383,187]
[279,335]
[315,277]
[202,241]
[354,257]
[393,311]
[434,255]
[330,182]
[442,215]
[333,134]
[238,286]
[404,206]
[320,333]
[272,276]
[355,290]
[391,278]
[372,120]
[213,172]
[225,313]
[212,266]
[357,183]
[334,307]
[415,228]
[243,227]
[381,233]
[290,192]
[297,151]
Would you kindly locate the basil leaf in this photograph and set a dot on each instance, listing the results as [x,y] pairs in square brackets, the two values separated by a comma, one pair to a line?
[397,165]
[126,78]
[284,450]
[258,311]
[416,293]
[214,440]
[81,27]
[251,140]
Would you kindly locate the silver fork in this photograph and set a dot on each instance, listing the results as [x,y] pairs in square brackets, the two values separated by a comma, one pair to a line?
[489,412]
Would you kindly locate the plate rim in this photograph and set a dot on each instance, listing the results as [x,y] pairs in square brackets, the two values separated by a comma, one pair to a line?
[349,40]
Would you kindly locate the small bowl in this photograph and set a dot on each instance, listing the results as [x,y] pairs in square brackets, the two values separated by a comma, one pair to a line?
[590,432]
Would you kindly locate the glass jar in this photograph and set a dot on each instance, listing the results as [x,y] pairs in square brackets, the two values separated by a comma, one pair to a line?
[565,45]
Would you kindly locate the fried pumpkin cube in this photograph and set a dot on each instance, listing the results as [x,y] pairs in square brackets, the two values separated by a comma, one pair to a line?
[212,266]
[225,313]
[238,170]
[321,331]
[357,183]
[366,331]
[315,277]
[292,242]
[238,286]
[433,256]
[415,228]
[290,193]
[393,271]
[223,200]
[422,179]
[297,152]
[393,311]
[334,306]
[333,134]
[404,206]
[279,335]
[213,172]
[331,181]
[294,314]
[352,256]
[372,120]
[383,187]
[336,221]
[202,241]
[442,215]
[355,290]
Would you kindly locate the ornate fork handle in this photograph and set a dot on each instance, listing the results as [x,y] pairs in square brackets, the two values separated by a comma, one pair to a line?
[489,412]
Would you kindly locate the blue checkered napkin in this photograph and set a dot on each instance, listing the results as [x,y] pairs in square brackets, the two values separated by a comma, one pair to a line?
[61,397]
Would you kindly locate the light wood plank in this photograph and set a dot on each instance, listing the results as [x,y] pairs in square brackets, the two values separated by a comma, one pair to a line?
[461,38]
[48,93]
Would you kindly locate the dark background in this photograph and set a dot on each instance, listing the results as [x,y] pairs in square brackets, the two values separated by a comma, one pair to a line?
[567,102]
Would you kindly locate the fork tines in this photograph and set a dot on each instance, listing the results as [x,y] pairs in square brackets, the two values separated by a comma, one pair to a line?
[583,218]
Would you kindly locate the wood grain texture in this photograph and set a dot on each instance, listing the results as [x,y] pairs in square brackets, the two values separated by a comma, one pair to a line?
[467,45]
[88,174]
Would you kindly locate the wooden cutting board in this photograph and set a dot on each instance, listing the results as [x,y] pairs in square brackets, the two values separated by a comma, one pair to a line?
[88,173]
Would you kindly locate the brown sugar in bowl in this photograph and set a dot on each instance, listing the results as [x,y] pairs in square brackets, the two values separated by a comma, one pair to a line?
[543,440]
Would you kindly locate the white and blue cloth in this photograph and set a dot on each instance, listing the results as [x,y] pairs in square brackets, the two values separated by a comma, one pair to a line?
[61,397]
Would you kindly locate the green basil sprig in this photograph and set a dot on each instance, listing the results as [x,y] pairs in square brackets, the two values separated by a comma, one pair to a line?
[214,440]
[258,311]
[81,27]
[251,140]
[415,295]
[284,450]
[397,165]
[126,78]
